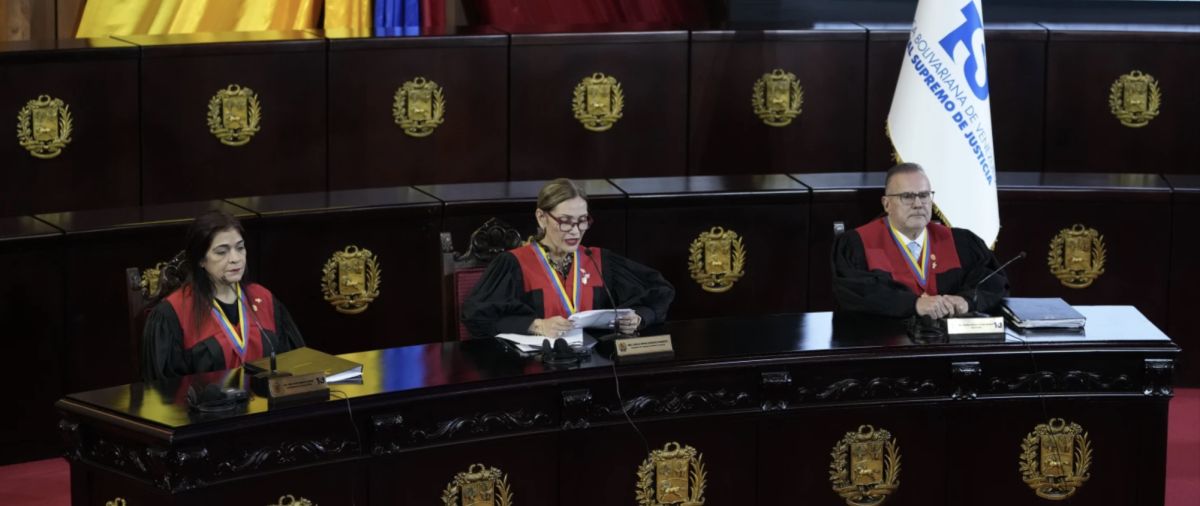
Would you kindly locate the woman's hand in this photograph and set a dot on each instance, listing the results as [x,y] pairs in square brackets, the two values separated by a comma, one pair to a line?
[552,327]
[628,323]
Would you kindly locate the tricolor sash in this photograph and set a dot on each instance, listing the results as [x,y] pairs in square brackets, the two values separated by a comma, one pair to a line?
[238,340]
[570,303]
[917,265]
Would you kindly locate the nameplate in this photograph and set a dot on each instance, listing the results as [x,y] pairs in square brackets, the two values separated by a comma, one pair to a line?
[975,325]
[644,345]
[287,386]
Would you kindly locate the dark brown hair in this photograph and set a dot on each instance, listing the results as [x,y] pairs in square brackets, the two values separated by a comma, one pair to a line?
[554,193]
[199,238]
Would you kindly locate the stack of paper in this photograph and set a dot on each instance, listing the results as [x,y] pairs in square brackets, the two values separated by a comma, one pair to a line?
[534,343]
[594,319]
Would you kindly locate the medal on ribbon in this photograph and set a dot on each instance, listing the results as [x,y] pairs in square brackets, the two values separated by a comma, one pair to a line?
[573,302]
[238,340]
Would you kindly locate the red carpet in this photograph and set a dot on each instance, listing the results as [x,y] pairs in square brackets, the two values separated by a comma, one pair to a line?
[1183,450]
[41,483]
[46,483]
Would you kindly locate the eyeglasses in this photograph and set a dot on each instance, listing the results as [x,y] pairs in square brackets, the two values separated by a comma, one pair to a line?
[584,223]
[907,198]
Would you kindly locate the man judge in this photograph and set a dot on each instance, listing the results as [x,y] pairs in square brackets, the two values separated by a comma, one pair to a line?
[902,265]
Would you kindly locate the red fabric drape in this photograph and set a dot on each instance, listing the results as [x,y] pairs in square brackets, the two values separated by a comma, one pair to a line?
[433,14]
[559,12]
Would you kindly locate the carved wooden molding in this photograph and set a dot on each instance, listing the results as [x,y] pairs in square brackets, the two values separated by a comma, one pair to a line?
[177,471]
[119,457]
[776,390]
[1160,374]
[288,452]
[72,438]
[966,377]
[1065,381]
[851,389]
[482,422]
[576,406]
[672,403]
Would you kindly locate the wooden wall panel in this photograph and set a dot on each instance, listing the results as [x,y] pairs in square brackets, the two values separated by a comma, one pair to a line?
[648,140]
[29,20]
[97,80]
[770,214]
[1129,210]
[31,305]
[1083,135]
[727,137]
[1185,276]
[183,161]
[69,13]
[366,146]
[399,226]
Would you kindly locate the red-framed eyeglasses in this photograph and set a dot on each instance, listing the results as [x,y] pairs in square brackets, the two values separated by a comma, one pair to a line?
[566,226]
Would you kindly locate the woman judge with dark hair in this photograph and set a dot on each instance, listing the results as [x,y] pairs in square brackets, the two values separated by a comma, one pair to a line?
[535,288]
[209,323]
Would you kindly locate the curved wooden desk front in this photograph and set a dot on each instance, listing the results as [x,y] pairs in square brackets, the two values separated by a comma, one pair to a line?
[764,400]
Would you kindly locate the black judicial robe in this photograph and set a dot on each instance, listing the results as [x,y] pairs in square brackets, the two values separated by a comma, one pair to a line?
[516,288]
[872,275]
[171,347]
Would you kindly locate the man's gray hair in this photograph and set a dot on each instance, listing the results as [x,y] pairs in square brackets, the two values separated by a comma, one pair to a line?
[904,168]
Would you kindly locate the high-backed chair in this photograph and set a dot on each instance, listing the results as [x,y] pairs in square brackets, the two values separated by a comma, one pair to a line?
[461,272]
[142,292]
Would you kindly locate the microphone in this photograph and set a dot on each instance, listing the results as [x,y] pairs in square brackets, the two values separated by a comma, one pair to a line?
[616,315]
[265,338]
[975,297]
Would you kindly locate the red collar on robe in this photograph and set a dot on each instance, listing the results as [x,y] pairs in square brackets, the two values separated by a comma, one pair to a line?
[537,276]
[884,254]
[257,299]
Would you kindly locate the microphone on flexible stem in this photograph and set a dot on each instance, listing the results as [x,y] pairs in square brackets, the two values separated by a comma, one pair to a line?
[616,334]
[975,297]
[927,329]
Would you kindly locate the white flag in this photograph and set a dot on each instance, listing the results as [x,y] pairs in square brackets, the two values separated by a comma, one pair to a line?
[941,115]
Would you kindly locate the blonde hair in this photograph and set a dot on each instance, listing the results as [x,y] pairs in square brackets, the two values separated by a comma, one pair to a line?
[554,193]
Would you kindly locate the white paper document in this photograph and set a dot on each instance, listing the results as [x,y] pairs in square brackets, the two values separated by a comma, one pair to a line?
[596,318]
[534,343]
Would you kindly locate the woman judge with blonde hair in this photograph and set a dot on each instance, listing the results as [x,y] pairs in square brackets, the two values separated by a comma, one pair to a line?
[535,288]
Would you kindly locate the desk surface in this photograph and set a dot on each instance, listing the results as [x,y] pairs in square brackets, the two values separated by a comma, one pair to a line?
[727,342]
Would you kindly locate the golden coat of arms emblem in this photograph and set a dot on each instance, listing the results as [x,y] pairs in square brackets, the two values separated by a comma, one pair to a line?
[289,500]
[1055,459]
[716,259]
[598,102]
[115,502]
[672,475]
[479,486]
[233,115]
[1077,256]
[777,98]
[351,280]
[44,127]
[419,107]
[1135,99]
[866,466]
